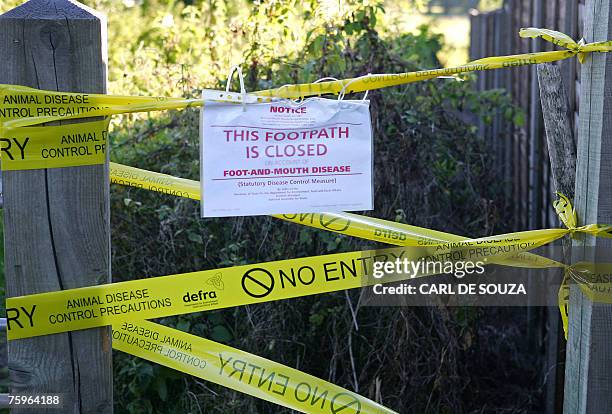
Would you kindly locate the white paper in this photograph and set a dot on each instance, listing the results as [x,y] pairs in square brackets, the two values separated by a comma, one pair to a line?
[279,157]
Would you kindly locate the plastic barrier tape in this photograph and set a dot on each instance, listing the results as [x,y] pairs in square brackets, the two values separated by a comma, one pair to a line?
[367,227]
[162,183]
[23,106]
[344,223]
[563,298]
[594,279]
[93,306]
[238,370]
[371,82]
[54,146]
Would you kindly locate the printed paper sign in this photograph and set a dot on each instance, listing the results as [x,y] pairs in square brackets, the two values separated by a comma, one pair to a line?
[279,157]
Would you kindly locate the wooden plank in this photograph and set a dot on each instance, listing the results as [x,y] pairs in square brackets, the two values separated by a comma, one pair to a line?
[547,217]
[509,28]
[578,66]
[535,129]
[474,35]
[525,103]
[569,66]
[581,16]
[549,20]
[483,75]
[588,372]
[497,84]
[56,221]
[482,78]
[534,181]
[516,11]
[559,136]
[562,150]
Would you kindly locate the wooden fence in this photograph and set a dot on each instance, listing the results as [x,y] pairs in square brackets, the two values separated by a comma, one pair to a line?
[523,159]
[521,152]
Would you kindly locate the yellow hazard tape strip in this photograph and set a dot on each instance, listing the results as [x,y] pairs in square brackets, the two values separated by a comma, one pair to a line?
[84,145]
[23,106]
[595,281]
[54,146]
[93,306]
[238,370]
[170,295]
[376,229]
[344,223]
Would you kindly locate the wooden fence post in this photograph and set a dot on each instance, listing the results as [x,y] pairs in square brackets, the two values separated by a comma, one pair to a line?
[588,374]
[558,127]
[56,221]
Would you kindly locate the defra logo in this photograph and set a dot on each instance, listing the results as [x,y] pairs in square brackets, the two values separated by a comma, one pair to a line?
[287,110]
[215,281]
[199,296]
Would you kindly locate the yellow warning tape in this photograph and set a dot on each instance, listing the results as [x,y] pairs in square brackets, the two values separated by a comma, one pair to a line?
[84,145]
[379,230]
[387,231]
[22,106]
[238,370]
[93,306]
[563,298]
[593,279]
[54,146]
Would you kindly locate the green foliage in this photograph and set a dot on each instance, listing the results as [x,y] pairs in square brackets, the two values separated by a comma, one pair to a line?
[431,169]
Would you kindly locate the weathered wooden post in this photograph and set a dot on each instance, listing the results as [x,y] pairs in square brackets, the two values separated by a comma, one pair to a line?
[562,153]
[56,221]
[588,374]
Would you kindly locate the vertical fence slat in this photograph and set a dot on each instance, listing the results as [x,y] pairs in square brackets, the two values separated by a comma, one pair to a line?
[589,348]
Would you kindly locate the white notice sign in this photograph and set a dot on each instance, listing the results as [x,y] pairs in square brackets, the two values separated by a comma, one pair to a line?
[280,157]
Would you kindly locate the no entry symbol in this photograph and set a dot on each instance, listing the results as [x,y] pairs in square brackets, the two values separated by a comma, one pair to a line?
[257,282]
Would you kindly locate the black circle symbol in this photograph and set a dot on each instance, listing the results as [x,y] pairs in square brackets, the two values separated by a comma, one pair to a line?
[345,401]
[334,223]
[257,282]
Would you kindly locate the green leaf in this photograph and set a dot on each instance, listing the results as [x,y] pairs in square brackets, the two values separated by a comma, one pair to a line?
[196,238]
[221,334]
[519,118]
[183,325]
[145,370]
[162,390]
[215,318]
